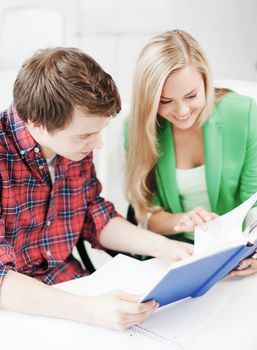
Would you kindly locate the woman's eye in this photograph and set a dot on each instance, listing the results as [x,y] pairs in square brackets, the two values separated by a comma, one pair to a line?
[192,96]
[165,102]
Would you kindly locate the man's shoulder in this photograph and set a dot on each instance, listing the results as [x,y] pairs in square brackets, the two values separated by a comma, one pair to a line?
[6,129]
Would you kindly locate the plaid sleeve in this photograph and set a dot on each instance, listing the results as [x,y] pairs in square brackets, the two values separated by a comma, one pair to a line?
[7,256]
[99,212]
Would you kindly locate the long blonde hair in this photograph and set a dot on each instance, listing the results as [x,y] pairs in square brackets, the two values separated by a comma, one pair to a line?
[161,56]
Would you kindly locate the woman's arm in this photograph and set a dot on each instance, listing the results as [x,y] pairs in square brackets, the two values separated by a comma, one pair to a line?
[163,222]
[166,223]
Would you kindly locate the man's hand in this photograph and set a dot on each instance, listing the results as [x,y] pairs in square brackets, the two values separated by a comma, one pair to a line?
[116,310]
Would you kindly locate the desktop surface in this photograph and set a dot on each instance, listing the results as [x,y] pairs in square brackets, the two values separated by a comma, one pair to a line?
[225,317]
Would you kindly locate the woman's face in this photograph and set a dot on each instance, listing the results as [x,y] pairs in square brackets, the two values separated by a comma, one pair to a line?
[182,98]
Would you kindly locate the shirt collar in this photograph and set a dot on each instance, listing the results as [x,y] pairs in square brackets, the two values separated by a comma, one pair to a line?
[25,142]
[22,137]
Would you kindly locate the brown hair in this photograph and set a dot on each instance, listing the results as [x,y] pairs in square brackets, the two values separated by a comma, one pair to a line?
[53,82]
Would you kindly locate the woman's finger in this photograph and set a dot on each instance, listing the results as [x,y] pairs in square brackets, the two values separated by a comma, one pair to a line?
[197,219]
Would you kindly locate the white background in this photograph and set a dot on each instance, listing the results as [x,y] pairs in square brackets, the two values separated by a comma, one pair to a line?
[113,32]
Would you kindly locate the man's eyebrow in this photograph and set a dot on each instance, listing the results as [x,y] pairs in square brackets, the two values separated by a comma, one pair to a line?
[170,98]
[87,134]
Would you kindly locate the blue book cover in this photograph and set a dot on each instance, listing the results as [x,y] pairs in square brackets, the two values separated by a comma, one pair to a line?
[195,275]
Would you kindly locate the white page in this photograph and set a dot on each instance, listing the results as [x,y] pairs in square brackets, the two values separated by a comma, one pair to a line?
[223,230]
[121,272]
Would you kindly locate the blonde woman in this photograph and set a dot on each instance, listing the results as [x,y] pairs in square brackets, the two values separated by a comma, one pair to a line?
[192,149]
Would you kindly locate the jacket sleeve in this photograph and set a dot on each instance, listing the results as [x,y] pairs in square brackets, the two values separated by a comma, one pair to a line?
[248,180]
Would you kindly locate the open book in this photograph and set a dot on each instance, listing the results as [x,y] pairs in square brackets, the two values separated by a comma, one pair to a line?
[218,250]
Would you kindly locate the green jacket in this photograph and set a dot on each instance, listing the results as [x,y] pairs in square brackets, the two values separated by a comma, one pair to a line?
[230,153]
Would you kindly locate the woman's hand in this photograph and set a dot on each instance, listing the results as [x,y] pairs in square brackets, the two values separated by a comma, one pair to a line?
[246,267]
[116,310]
[192,218]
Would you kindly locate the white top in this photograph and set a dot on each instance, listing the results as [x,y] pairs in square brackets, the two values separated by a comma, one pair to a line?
[192,188]
[51,165]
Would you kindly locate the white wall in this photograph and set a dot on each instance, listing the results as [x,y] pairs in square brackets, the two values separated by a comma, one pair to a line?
[227,32]
[114,31]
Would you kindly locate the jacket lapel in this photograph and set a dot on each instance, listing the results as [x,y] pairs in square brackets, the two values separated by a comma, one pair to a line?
[166,165]
[212,132]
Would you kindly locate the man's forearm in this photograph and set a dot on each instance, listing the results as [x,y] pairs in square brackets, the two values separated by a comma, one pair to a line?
[120,235]
[24,294]
[116,310]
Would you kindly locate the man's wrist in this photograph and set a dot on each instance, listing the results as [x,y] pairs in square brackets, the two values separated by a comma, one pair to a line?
[80,309]
[157,243]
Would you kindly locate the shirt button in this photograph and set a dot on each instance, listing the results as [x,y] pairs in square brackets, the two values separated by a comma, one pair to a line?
[36,150]
[41,167]
[48,223]
[48,253]
[22,152]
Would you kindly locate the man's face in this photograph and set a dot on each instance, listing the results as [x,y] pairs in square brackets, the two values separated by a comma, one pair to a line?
[77,140]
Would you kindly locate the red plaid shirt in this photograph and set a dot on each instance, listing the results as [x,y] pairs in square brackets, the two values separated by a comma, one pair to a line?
[41,222]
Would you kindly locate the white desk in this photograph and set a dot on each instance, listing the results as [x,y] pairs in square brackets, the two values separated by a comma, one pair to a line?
[224,318]
[233,325]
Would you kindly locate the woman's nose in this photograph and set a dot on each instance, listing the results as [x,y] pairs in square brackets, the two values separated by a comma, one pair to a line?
[181,109]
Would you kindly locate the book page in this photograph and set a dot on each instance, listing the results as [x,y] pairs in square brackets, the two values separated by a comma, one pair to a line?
[121,272]
[226,229]
[250,233]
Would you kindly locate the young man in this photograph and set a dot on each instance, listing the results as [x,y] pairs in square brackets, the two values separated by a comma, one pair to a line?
[50,195]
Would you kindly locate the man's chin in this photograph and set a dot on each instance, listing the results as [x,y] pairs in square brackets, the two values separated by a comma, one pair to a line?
[77,157]
[80,156]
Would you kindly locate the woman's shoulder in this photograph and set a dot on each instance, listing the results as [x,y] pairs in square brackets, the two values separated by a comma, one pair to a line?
[234,103]
[236,108]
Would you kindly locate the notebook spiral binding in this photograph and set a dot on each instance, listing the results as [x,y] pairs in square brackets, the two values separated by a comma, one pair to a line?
[171,342]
